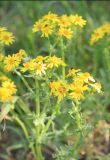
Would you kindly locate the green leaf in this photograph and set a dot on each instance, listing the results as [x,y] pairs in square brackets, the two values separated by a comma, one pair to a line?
[5,110]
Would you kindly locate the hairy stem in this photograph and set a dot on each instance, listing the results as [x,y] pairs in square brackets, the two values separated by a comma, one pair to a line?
[63,58]
[38,141]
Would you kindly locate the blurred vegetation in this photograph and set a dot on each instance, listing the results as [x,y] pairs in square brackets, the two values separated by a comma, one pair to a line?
[19,17]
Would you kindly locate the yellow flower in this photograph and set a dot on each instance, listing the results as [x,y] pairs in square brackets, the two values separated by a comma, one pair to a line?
[97,86]
[99,33]
[12,62]
[64,21]
[27,66]
[39,69]
[20,55]
[77,90]
[51,17]
[77,20]
[39,59]
[6,38]
[10,86]
[54,62]
[37,26]
[1,57]
[7,90]
[46,31]
[59,89]
[3,78]
[5,95]
[106,28]
[84,78]
[72,72]
[66,32]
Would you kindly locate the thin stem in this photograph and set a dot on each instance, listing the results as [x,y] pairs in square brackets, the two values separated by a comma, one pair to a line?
[49,121]
[78,123]
[38,141]
[22,125]
[24,80]
[37,98]
[63,58]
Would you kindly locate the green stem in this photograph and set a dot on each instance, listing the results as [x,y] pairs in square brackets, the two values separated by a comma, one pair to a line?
[50,120]
[63,58]
[37,98]
[78,123]
[22,125]
[38,140]
[24,80]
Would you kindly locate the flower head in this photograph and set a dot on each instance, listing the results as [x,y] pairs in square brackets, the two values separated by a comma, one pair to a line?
[39,69]
[72,72]
[7,90]
[6,37]
[77,89]
[77,20]
[12,61]
[66,32]
[54,61]
[99,33]
[59,89]
[46,31]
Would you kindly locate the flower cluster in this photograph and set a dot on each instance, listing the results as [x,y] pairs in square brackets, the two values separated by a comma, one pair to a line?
[81,83]
[12,61]
[58,25]
[99,33]
[40,64]
[7,89]
[6,38]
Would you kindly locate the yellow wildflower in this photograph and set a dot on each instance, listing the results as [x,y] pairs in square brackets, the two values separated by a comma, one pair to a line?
[106,28]
[3,78]
[99,33]
[51,17]
[72,72]
[20,55]
[37,26]
[97,86]
[66,32]
[64,21]
[34,67]
[77,90]
[10,63]
[39,69]
[27,66]
[84,77]
[46,31]
[54,62]
[6,38]
[77,20]
[7,90]
[10,86]
[59,89]
[39,58]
